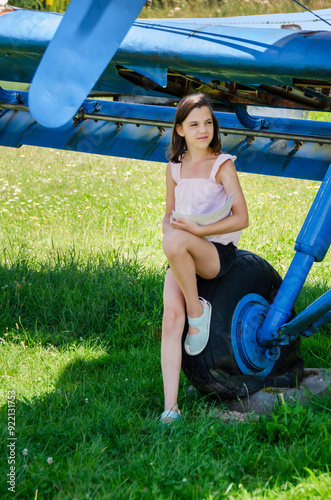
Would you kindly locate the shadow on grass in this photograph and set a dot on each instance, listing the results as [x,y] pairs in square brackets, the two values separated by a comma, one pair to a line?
[99,423]
[106,296]
[96,435]
[69,298]
[86,424]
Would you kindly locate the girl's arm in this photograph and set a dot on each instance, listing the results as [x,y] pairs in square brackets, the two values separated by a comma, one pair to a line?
[170,199]
[226,175]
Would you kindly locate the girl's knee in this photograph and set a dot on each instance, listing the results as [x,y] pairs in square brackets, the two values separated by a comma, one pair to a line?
[169,240]
[173,320]
[173,242]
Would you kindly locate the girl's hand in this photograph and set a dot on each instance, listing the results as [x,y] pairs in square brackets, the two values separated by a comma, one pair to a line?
[185,225]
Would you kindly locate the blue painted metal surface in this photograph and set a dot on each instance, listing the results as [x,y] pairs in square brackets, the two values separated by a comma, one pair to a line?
[312,244]
[241,54]
[306,321]
[293,20]
[77,55]
[251,358]
[315,235]
[247,120]
[322,320]
[262,155]
[280,310]
[9,96]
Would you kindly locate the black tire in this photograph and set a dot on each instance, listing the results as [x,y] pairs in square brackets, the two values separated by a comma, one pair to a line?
[215,370]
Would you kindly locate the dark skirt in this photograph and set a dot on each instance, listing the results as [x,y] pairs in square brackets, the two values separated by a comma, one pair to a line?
[227,254]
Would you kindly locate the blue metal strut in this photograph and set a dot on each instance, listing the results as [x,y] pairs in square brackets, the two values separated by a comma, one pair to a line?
[312,244]
[246,119]
[256,342]
[310,319]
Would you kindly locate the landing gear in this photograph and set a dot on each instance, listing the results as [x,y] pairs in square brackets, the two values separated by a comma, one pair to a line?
[241,297]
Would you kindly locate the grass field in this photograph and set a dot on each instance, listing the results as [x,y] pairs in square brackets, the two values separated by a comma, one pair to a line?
[81,306]
[190,8]
[225,8]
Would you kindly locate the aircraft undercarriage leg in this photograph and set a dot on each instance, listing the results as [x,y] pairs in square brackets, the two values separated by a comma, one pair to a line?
[258,330]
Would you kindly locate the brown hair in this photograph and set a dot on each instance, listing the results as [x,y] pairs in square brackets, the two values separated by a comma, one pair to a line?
[184,108]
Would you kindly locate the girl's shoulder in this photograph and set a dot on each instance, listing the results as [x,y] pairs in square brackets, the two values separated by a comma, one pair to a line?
[175,171]
[221,158]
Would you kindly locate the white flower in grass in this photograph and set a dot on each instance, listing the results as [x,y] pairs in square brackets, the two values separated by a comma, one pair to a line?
[184,479]
[25,452]
[86,400]
[50,460]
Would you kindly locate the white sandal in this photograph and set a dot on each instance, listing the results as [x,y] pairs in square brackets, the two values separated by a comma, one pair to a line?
[195,344]
[169,416]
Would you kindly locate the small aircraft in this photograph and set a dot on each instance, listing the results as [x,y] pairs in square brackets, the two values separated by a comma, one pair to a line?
[56,71]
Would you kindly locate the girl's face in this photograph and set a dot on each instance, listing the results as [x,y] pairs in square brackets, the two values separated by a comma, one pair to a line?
[197,128]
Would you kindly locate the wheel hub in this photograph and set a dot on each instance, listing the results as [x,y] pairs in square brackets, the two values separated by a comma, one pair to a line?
[252,359]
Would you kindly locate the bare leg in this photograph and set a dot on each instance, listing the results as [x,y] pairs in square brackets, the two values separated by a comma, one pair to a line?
[171,348]
[189,255]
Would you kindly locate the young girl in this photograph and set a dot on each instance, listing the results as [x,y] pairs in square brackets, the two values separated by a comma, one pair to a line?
[199,179]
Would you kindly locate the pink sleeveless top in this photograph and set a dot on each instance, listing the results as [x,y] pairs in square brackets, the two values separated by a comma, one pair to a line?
[202,196]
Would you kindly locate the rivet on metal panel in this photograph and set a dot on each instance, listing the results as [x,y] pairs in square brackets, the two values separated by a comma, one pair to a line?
[250,139]
[79,116]
[297,146]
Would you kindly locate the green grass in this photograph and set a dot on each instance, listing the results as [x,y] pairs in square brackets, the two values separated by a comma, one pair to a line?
[82,270]
[190,8]
[225,8]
